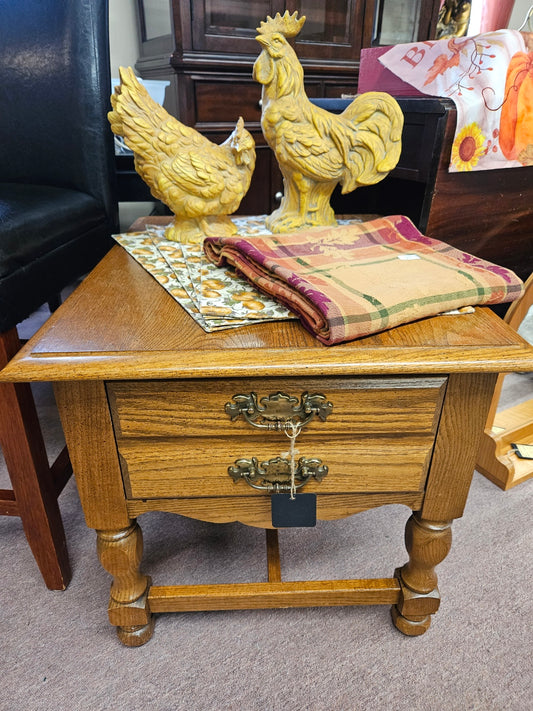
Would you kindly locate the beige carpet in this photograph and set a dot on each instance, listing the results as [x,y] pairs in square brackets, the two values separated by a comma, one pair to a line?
[59,653]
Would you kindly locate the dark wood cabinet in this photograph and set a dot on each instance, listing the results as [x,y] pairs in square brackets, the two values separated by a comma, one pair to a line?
[210,49]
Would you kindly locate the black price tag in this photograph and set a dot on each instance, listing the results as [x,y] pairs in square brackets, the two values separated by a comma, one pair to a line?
[288,513]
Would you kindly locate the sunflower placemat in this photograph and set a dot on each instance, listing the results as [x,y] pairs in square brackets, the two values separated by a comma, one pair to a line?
[215,298]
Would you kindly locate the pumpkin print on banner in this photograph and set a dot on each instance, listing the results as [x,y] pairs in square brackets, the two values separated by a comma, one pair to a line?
[516,121]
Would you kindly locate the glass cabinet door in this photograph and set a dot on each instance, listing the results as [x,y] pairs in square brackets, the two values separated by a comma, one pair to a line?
[331,29]
[230,25]
[325,22]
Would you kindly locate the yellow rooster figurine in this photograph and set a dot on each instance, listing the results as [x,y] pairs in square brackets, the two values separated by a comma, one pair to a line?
[316,149]
[200,181]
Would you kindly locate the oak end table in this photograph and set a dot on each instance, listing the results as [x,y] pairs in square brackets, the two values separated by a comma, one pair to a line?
[160,416]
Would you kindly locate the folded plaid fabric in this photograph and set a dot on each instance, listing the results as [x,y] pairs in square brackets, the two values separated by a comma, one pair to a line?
[349,281]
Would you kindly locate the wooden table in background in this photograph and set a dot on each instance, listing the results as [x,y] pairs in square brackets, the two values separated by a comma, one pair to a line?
[142,392]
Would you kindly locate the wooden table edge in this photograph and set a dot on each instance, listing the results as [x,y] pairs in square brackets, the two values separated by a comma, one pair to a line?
[128,365]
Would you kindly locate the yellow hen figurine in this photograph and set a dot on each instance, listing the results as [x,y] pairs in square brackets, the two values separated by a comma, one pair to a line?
[200,181]
[316,149]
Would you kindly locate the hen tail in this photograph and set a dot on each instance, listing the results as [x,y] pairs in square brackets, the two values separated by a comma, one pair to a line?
[144,124]
[378,124]
[148,130]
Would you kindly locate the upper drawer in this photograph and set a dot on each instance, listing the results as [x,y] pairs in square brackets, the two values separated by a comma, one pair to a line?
[197,408]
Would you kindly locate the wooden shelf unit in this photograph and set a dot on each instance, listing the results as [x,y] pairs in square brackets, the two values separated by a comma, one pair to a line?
[497,459]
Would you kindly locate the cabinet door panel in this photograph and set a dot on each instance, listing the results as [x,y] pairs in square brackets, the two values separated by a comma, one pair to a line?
[332,30]
[230,26]
[325,22]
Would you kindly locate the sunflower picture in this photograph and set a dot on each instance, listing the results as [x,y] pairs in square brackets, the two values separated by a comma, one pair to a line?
[468,147]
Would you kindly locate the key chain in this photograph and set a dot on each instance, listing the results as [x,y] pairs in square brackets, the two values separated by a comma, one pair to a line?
[292,431]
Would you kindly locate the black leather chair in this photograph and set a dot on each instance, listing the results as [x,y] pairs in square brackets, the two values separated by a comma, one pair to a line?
[58,210]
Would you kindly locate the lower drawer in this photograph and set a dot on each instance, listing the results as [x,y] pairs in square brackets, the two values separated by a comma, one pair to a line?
[195,467]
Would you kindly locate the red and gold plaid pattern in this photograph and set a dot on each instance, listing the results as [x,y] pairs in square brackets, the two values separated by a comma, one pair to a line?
[349,281]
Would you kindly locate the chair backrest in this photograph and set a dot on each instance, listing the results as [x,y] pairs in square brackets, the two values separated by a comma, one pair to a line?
[55,86]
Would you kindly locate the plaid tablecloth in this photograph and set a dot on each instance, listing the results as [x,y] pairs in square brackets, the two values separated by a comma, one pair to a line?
[349,281]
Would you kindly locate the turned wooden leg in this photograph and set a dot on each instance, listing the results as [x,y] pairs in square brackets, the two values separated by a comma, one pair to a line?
[120,553]
[428,543]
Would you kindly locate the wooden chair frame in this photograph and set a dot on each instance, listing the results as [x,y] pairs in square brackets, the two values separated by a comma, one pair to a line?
[36,484]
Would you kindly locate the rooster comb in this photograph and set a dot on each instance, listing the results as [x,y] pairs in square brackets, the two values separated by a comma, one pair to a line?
[287,25]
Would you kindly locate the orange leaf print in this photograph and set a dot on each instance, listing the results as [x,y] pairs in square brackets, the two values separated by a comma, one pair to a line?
[440,65]
[444,62]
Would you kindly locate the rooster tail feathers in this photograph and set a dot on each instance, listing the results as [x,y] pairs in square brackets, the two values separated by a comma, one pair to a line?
[375,157]
[369,102]
[373,104]
[370,163]
[379,122]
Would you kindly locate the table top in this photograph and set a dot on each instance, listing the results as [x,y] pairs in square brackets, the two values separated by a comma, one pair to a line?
[120,324]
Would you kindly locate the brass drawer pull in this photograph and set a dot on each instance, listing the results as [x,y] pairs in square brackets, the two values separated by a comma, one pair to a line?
[275,474]
[274,411]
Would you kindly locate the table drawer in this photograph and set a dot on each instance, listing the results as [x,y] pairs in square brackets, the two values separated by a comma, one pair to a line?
[176,438]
